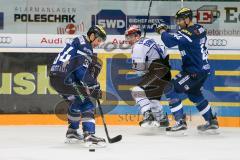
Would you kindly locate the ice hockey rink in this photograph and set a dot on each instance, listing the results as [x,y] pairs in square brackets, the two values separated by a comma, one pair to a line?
[33,33]
[47,143]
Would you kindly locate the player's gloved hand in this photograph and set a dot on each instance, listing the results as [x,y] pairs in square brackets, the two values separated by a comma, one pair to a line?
[161,28]
[94,91]
[94,69]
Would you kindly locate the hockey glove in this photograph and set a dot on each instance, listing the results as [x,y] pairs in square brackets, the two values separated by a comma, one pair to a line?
[94,91]
[161,28]
[94,69]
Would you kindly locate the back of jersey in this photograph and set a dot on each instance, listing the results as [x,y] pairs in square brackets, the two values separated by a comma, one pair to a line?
[73,56]
[193,49]
[145,51]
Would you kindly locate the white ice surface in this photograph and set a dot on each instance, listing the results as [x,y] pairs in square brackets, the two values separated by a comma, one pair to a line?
[47,143]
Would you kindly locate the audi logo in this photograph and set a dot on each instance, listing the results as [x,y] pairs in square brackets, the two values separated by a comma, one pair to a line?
[217,42]
[5,40]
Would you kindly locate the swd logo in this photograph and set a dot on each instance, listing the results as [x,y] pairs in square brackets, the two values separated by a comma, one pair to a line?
[207,14]
[114,21]
[1,20]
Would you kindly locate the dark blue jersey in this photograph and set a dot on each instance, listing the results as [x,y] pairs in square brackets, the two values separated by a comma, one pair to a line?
[73,61]
[191,43]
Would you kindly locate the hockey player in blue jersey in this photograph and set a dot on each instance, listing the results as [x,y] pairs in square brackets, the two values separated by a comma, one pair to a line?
[191,41]
[74,76]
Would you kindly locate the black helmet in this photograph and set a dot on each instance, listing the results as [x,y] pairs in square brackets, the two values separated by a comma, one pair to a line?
[184,13]
[98,32]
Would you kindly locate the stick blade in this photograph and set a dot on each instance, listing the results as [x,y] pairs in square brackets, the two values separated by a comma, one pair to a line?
[115,139]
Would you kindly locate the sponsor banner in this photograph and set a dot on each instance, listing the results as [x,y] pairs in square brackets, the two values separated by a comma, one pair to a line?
[35,17]
[48,40]
[64,17]
[116,21]
[1,20]
[119,119]
[13,40]
[213,43]
[113,42]
[24,84]
[25,88]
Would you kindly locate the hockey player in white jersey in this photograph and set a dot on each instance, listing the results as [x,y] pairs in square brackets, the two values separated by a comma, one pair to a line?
[150,62]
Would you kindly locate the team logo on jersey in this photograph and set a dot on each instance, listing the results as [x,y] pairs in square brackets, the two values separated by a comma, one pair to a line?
[116,22]
[207,14]
[1,20]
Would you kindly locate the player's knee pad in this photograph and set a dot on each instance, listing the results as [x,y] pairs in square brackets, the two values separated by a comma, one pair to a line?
[202,105]
[156,106]
[176,108]
[88,116]
[156,103]
[88,121]
[87,105]
[172,96]
[140,97]
[174,101]
[73,116]
[138,92]
[74,110]
[205,110]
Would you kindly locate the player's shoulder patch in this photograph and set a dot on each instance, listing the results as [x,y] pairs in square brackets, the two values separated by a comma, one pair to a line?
[186,31]
[198,29]
[81,40]
[88,50]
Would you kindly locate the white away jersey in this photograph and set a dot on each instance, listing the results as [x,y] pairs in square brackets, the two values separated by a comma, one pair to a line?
[144,52]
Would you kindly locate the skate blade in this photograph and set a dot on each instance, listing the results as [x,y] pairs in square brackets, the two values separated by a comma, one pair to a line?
[73,141]
[93,145]
[153,124]
[209,132]
[181,133]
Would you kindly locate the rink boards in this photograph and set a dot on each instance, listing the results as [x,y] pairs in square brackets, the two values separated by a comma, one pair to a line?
[222,90]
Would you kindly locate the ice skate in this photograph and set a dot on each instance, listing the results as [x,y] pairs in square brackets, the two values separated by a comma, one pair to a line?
[149,121]
[211,127]
[179,129]
[164,122]
[72,136]
[91,140]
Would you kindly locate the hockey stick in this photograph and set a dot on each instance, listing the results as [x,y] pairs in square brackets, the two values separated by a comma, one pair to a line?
[148,16]
[181,3]
[110,140]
